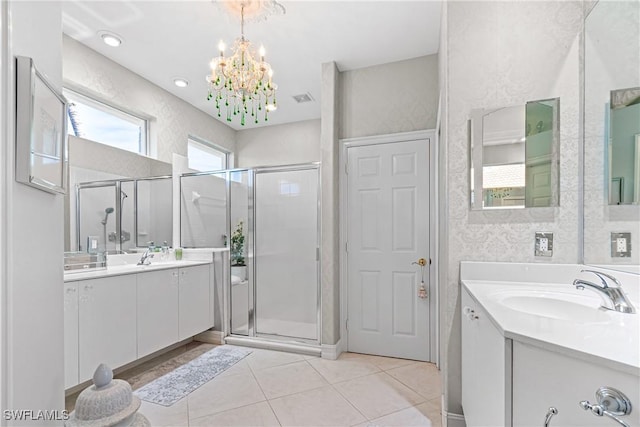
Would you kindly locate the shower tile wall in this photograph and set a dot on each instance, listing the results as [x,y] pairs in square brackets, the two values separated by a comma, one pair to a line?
[503,54]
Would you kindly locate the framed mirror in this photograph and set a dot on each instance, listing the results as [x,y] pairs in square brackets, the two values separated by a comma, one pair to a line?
[611,129]
[624,147]
[514,156]
[41,150]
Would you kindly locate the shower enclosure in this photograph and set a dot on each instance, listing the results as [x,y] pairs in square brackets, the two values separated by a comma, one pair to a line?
[118,216]
[272,230]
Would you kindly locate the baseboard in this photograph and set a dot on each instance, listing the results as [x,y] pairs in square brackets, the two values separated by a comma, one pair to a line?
[211,337]
[309,350]
[454,420]
[332,352]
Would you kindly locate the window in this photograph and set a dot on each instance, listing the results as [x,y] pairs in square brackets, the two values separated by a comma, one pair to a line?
[99,122]
[204,156]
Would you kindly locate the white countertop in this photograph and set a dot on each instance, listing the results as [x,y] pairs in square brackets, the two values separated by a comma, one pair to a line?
[590,333]
[117,270]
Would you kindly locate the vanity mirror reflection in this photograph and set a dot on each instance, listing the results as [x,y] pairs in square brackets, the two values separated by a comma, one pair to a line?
[515,156]
[118,201]
[611,134]
[624,147]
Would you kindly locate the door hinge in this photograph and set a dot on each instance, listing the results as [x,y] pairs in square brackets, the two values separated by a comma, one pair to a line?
[346,246]
[347,325]
[346,168]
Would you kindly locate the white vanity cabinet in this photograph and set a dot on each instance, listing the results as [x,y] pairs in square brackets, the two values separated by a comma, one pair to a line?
[70,334]
[486,358]
[194,300]
[120,318]
[544,379]
[107,323]
[157,310]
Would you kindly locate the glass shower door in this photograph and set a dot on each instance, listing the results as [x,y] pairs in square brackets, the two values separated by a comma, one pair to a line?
[286,252]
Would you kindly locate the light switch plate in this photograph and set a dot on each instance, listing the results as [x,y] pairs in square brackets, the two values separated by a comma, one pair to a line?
[620,245]
[544,244]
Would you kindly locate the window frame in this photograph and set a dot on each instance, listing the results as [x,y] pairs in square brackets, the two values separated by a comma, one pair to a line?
[228,159]
[99,103]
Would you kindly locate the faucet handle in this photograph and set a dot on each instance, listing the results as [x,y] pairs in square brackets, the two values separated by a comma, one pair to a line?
[603,277]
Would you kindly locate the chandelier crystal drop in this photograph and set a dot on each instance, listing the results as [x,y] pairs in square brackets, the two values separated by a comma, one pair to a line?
[241,84]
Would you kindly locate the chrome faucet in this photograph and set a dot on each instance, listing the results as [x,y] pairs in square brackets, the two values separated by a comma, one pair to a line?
[613,298]
[146,258]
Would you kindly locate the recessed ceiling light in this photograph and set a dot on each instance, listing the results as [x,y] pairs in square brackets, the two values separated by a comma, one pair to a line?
[110,39]
[180,82]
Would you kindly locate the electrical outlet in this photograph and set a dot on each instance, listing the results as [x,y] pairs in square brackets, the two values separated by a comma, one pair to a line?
[544,244]
[620,245]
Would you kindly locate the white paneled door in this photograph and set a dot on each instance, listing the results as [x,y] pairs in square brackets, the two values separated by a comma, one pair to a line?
[388,231]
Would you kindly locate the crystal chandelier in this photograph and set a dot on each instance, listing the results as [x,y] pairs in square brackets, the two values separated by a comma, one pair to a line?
[240,83]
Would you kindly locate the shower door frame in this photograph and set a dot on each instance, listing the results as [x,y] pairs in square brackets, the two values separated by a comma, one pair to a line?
[117,204]
[251,252]
[117,183]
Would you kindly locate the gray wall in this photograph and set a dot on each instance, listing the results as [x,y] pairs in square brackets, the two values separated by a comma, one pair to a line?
[33,373]
[389,98]
[286,144]
[502,54]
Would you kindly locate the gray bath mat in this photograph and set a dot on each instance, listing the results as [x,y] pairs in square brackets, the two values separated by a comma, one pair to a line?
[175,385]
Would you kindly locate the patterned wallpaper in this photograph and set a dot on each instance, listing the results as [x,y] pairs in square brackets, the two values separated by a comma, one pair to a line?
[174,119]
[612,38]
[503,54]
[285,144]
[405,98]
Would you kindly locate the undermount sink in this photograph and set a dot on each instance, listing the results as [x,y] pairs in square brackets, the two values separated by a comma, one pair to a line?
[555,305]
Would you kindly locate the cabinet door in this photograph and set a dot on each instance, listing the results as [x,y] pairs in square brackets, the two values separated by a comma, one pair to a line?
[486,363]
[107,323]
[542,379]
[195,297]
[157,310]
[71,334]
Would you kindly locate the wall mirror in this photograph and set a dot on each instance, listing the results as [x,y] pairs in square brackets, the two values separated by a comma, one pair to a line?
[624,147]
[41,151]
[514,154]
[611,132]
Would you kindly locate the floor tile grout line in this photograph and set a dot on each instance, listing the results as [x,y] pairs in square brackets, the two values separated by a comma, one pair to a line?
[231,409]
[350,402]
[424,399]
[274,412]
[413,389]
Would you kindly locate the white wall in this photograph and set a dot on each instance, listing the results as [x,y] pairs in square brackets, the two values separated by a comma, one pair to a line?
[389,98]
[174,118]
[34,313]
[286,144]
[504,54]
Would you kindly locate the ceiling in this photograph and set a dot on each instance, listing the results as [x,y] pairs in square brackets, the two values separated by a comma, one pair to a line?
[163,40]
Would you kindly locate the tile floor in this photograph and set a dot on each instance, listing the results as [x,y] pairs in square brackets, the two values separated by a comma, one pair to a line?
[270,388]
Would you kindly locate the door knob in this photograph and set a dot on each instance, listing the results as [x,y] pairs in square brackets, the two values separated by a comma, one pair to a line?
[421,262]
